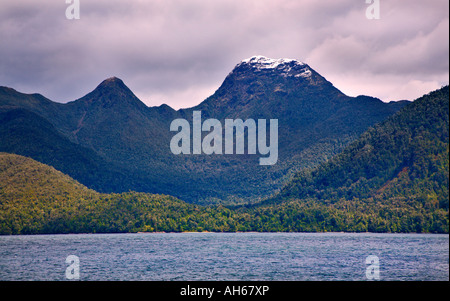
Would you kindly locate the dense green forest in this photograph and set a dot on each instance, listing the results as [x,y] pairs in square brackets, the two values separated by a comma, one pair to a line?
[44,200]
[404,158]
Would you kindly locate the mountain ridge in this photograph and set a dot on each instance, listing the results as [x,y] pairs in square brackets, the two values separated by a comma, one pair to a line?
[316,121]
[410,149]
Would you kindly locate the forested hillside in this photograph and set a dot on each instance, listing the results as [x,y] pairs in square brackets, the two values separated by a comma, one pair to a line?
[404,157]
[397,169]
[36,198]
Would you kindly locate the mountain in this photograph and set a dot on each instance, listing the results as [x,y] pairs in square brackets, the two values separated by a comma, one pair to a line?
[117,124]
[315,122]
[308,107]
[122,136]
[25,133]
[398,167]
[109,106]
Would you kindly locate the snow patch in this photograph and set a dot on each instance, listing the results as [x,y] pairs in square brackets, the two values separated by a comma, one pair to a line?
[306,73]
[286,67]
[263,62]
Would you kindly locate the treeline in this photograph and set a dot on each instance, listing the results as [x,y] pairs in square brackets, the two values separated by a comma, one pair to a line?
[138,212]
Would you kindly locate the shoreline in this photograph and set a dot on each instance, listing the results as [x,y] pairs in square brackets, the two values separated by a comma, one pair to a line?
[237,232]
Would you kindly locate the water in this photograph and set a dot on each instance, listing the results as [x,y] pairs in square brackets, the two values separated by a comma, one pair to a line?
[225,256]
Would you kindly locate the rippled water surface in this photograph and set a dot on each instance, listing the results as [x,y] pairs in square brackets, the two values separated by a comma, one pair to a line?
[225,256]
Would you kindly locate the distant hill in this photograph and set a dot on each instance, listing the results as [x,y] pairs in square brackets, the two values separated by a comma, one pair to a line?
[33,196]
[406,155]
[398,168]
[26,133]
[37,199]
[112,142]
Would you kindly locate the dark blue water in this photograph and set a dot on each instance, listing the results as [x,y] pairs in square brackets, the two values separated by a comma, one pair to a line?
[225,256]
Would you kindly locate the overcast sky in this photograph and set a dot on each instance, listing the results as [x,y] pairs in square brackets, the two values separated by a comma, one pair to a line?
[179,52]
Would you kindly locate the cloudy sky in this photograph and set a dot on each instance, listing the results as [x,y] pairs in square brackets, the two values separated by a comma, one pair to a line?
[178,52]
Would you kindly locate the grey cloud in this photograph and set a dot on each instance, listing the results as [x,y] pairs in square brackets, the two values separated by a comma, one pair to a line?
[177,50]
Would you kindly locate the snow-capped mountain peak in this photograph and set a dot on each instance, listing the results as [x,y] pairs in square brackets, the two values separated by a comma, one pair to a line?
[286,67]
[263,62]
